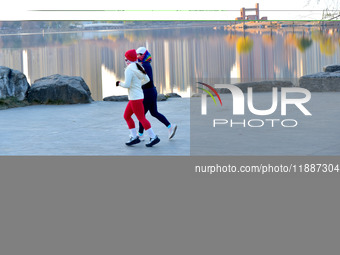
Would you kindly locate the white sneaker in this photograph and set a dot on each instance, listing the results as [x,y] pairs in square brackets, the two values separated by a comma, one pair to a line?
[141,137]
[172,131]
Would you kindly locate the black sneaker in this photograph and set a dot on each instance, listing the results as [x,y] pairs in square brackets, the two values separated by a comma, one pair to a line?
[153,142]
[133,140]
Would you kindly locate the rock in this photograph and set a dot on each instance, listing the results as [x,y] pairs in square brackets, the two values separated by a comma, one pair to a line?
[331,68]
[161,97]
[116,98]
[258,86]
[197,95]
[321,82]
[13,83]
[60,89]
[172,95]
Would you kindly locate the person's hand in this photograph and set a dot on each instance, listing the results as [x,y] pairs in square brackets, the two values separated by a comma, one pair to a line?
[117,83]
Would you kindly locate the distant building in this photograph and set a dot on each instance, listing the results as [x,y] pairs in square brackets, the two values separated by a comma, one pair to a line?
[251,17]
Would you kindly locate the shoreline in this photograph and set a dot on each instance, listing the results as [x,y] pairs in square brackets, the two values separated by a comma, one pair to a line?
[120,29]
[24,103]
[227,25]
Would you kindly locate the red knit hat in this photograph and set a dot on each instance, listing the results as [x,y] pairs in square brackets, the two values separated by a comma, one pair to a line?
[131,55]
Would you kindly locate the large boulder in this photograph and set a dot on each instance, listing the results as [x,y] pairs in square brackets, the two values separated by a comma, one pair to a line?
[60,89]
[13,83]
[321,82]
[258,86]
[331,68]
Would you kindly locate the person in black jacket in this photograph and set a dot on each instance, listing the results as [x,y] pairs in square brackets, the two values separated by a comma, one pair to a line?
[150,94]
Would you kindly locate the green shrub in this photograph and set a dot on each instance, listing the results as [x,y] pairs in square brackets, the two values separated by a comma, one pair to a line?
[11,102]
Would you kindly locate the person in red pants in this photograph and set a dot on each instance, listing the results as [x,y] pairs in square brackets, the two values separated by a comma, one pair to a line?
[135,77]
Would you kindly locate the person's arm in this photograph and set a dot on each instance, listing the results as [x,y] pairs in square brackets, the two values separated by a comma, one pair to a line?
[148,69]
[145,80]
[128,79]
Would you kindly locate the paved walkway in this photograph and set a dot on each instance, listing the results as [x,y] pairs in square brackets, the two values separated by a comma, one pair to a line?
[88,129]
[318,134]
[99,129]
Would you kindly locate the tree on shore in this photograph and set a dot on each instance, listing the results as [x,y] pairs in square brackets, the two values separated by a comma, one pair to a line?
[331,8]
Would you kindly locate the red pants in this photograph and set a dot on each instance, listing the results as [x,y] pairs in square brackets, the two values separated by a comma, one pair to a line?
[136,107]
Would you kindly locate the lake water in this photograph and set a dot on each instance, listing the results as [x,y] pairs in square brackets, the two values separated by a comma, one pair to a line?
[181,56]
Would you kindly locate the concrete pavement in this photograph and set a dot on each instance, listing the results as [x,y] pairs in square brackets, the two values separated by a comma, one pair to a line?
[100,129]
[89,129]
[318,134]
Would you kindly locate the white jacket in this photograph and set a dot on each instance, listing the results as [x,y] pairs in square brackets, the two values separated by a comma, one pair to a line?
[134,79]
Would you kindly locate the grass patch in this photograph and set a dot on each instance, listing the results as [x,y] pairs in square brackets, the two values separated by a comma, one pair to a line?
[12,102]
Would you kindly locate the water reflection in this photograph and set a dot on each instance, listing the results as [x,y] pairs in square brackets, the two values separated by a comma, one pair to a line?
[180,56]
[244,44]
[300,42]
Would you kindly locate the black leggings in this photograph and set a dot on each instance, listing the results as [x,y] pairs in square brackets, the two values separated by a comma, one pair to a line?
[150,104]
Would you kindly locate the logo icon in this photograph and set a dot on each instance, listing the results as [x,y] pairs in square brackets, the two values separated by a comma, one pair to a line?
[238,99]
[208,92]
